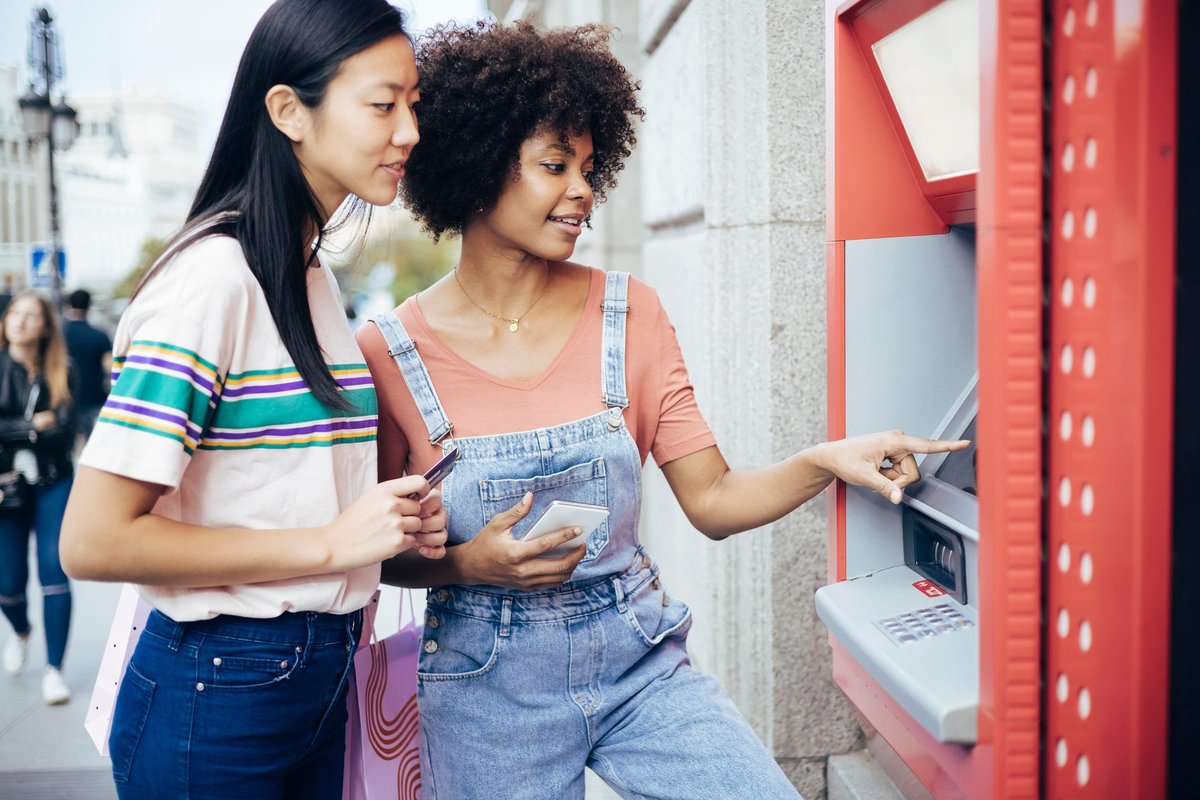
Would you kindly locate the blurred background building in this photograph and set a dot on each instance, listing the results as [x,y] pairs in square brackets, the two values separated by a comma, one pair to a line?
[23,184]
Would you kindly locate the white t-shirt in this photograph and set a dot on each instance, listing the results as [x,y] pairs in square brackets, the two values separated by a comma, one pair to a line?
[207,401]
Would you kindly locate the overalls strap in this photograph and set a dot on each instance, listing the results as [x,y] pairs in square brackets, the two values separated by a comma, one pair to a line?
[403,349]
[612,352]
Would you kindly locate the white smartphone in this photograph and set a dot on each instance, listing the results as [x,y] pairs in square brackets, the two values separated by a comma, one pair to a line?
[564,514]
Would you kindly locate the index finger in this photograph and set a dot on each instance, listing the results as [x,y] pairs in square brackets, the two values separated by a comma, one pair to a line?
[916,444]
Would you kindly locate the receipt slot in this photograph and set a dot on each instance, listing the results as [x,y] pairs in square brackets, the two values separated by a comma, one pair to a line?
[935,201]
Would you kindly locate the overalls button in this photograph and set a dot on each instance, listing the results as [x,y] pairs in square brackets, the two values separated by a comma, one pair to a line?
[199,687]
[283,664]
[217,661]
[441,596]
[430,646]
[615,419]
[433,622]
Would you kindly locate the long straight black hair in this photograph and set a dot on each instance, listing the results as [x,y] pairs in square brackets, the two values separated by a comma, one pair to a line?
[254,189]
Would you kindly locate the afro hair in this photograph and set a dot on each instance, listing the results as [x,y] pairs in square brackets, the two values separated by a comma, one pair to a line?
[485,89]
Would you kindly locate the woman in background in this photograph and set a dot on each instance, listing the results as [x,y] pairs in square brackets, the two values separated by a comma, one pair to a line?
[37,434]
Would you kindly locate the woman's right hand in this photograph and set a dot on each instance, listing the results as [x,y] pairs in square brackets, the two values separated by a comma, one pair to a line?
[378,525]
[43,420]
[495,558]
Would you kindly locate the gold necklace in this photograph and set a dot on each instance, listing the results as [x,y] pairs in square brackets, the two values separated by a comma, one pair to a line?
[514,323]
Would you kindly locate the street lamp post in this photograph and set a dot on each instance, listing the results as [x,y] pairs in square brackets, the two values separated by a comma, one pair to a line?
[43,118]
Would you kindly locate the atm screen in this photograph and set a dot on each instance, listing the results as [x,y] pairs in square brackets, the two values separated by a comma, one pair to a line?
[959,467]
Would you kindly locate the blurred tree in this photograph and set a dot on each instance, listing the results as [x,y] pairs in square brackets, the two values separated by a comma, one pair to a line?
[395,245]
[152,248]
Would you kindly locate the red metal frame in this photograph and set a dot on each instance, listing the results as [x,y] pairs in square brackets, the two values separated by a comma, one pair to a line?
[1114,79]
[875,192]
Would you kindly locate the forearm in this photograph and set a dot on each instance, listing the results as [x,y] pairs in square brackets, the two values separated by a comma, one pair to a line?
[735,500]
[152,549]
[16,431]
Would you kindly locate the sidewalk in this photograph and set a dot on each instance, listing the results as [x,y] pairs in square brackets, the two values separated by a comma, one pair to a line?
[44,750]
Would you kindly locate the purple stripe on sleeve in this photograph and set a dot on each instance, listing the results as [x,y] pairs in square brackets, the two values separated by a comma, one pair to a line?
[176,418]
[195,377]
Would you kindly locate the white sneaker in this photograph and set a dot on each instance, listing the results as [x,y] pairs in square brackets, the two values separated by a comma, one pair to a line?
[15,654]
[54,690]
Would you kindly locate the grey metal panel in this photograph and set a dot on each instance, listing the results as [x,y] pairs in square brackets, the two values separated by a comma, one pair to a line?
[910,330]
[910,350]
[936,680]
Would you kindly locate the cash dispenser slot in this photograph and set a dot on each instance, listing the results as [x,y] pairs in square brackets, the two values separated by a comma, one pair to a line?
[936,552]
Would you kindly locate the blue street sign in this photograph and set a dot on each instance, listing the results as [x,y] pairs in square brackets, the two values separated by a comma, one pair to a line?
[40,276]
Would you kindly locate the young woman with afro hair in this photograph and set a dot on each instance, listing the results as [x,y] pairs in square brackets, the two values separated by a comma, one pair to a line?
[555,381]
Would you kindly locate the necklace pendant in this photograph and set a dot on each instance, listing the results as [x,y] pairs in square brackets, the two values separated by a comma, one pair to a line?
[513,325]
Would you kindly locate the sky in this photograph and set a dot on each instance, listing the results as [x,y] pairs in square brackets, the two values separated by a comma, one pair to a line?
[186,50]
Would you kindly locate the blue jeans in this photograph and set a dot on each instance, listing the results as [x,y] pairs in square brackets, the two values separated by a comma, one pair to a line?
[234,707]
[519,693]
[44,517]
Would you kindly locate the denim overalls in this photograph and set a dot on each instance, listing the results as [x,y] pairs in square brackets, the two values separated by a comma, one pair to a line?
[520,690]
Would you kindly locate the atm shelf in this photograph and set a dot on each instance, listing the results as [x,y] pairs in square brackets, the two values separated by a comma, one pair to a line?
[934,675]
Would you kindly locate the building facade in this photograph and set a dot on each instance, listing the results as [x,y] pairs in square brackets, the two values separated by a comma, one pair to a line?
[130,176]
[24,213]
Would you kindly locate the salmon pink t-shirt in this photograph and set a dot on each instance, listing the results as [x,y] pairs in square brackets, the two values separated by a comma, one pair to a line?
[662,417]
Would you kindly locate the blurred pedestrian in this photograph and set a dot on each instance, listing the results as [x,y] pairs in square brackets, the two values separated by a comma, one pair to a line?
[37,434]
[232,473]
[91,351]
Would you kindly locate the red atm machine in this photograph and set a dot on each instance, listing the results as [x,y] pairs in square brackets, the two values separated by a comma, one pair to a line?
[1001,267]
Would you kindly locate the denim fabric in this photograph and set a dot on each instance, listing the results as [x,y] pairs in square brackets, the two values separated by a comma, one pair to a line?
[519,691]
[44,517]
[235,707]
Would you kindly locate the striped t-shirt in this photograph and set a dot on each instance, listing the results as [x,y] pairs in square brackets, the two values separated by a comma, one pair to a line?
[207,402]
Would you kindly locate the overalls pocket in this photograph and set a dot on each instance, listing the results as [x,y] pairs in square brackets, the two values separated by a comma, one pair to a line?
[456,646]
[655,615]
[582,483]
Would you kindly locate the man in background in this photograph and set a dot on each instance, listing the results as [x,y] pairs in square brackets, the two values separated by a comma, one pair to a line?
[91,350]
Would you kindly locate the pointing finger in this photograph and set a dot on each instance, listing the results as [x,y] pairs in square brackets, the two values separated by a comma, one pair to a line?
[916,444]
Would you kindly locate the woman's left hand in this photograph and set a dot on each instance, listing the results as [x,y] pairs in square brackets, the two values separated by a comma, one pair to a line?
[431,538]
[860,460]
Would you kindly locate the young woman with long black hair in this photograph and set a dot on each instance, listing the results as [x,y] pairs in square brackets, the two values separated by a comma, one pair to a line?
[231,473]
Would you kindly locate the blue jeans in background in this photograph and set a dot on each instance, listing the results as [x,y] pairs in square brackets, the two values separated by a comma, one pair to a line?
[44,518]
[233,707]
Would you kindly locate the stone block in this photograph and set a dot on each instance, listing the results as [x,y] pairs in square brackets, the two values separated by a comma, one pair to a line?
[672,138]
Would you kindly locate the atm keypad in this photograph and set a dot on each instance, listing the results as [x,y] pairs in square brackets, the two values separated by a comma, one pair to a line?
[923,623]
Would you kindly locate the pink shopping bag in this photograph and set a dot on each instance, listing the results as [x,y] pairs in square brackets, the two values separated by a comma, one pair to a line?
[382,756]
[127,625]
